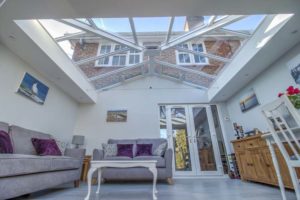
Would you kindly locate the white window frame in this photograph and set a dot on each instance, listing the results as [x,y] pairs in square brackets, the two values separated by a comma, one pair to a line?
[192,58]
[113,45]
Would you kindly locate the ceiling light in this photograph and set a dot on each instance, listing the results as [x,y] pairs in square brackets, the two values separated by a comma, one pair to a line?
[12,37]
[294,31]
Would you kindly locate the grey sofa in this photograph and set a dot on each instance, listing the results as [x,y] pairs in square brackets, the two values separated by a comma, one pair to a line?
[23,172]
[164,163]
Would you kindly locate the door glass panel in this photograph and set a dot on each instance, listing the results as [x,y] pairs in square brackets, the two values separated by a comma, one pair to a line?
[203,140]
[180,140]
[163,122]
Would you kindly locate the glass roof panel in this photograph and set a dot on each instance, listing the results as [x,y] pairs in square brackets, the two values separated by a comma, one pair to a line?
[57,29]
[151,24]
[83,20]
[115,25]
[179,23]
[248,24]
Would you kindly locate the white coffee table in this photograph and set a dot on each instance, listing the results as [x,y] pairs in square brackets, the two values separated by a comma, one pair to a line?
[99,165]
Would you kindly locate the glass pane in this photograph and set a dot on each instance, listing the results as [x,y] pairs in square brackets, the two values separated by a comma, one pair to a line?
[163,122]
[180,140]
[57,29]
[184,58]
[133,59]
[115,25]
[248,24]
[204,141]
[151,24]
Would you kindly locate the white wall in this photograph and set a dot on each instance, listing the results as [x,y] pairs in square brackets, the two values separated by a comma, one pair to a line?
[142,105]
[57,116]
[267,86]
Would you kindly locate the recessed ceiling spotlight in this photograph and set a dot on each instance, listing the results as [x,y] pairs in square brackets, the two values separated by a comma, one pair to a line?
[294,31]
[246,75]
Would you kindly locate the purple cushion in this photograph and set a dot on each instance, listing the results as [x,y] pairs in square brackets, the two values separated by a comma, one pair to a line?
[45,147]
[5,143]
[125,150]
[144,150]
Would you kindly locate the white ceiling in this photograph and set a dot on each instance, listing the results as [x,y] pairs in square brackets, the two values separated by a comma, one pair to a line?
[37,9]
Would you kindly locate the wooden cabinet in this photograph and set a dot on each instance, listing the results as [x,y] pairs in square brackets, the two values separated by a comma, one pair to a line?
[255,162]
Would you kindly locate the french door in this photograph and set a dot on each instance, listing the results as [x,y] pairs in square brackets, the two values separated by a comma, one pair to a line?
[191,134]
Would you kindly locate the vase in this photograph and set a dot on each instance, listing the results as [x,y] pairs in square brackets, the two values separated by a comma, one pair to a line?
[295,100]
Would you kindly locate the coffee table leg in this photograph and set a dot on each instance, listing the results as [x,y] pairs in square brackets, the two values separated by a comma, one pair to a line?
[99,180]
[154,172]
[89,181]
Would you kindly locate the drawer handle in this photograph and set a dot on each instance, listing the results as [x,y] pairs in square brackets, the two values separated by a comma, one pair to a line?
[251,144]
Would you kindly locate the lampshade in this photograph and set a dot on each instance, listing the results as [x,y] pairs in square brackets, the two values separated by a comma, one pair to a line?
[78,139]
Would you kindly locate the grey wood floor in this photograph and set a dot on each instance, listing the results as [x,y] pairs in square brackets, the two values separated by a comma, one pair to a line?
[184,189]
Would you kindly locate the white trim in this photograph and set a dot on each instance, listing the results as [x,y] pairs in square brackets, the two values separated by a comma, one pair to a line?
[127,54]
[192,58]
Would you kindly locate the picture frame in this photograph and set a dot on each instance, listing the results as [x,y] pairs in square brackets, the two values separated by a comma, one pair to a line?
[116,116]
[248,101]
[33,89]
[294,67]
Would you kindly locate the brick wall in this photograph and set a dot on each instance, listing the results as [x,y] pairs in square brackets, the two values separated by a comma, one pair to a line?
[224,48]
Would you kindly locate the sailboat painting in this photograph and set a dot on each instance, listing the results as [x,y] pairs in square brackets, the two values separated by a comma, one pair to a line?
[33,89]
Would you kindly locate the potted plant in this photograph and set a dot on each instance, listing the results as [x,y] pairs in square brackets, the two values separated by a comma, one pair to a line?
[294,96]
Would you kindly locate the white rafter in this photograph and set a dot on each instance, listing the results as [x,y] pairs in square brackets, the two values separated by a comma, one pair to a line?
[117,71]
[170,29]
[101,33]
[92,23]
[201,31]
[80,62]
[236,33]
[132,26]
[215,57]
[70,36]
[211,20]
[185,69]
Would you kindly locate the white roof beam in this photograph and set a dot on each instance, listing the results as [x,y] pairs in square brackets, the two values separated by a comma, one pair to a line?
[117,71]
[201,31]
[2,3]
[92,23]
[184,69]
[170,29]
[211,56]
[236,33]
[80,62]
[101,33]
[211,20]
[69,36]
[132,26]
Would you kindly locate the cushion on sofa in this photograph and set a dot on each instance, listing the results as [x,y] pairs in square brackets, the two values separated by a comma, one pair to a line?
[21,139]
[155,142]
[110,149]
[125,150]
[4,126]
[46,147]
[122,141]
[144,150]
[20,164]
[117,158]
[161,162]
[5,143]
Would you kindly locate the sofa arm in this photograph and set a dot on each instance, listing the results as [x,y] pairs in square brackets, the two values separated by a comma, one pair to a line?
[75,153]
[169,159]
[98,154]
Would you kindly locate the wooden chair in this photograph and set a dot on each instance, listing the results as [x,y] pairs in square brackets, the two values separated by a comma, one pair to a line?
[284,124]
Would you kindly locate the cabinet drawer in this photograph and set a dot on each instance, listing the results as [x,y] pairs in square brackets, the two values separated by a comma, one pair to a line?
[239,146]
[252,144]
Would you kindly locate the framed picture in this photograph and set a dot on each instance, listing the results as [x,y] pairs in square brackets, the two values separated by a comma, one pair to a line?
[33,89]
[294,66]
[116,116]
[248,101]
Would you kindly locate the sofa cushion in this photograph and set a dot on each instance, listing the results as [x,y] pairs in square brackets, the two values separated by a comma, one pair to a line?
[161,162]
[155,142]
[117,158]
[144,150]
[110,149]
[125,150]
[46,147]
[4,126]
[21,139]
[5,143]
[20,164]
[121,141]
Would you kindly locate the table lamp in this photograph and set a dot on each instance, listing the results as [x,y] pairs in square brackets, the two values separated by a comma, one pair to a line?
[78,140]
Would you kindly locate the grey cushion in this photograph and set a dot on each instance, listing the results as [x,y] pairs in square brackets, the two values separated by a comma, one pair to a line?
[110,149]
[155,142]
[117,158]
[122,141]
[21,139]
[161,162]
[4,126]
[18,164]
[160,150]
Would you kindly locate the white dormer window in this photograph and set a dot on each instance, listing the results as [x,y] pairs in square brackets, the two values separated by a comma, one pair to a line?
[126,58]
[184,58]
